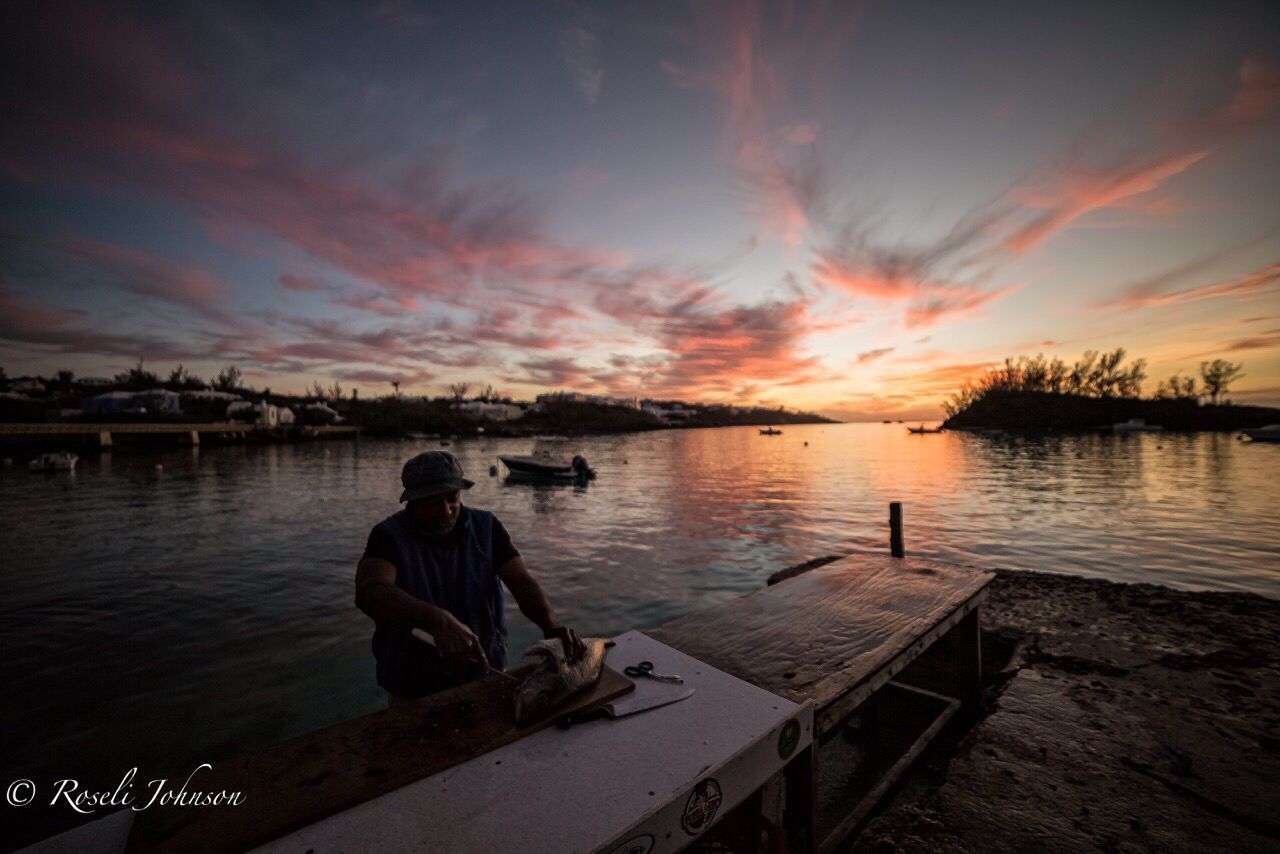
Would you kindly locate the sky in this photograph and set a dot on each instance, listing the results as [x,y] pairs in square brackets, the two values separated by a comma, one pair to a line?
[844,207]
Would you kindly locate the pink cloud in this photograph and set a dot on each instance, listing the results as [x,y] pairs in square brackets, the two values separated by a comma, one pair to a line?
[1084,192]
[1148,294]
[146,273]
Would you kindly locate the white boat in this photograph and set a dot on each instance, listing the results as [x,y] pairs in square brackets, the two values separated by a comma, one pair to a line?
[1270,433]
[56,461]
[1136,425]
[552,458]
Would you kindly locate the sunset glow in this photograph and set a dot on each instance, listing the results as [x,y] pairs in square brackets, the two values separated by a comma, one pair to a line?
[850,208]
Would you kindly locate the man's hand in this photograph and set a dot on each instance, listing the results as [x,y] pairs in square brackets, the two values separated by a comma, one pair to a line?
[458,645]
[574,648]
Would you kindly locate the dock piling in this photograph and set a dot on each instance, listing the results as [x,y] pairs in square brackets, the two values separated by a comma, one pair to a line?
[896,547]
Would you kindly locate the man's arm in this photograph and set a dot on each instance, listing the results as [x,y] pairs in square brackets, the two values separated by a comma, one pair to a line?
[534,605]
[379,597]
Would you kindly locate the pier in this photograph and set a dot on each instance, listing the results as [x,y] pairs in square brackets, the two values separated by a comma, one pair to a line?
[102,435]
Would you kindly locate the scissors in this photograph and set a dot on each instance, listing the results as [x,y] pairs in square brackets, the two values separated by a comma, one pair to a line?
[645,669]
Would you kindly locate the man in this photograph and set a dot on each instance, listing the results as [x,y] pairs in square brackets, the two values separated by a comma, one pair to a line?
[436,566]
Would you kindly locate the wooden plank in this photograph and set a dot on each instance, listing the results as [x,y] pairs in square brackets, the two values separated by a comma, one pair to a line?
[839,709]
[948,707]
[825,634]
[309,778]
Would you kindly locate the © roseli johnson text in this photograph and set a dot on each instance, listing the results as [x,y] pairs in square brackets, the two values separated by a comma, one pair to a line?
[155,793]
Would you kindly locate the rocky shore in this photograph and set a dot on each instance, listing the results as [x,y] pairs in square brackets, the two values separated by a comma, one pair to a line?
[1118,717]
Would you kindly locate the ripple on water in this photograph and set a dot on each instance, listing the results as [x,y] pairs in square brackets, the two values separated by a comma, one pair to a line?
[208,607]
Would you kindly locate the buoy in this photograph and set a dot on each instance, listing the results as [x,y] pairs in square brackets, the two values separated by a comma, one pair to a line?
[493,471]
[806,444]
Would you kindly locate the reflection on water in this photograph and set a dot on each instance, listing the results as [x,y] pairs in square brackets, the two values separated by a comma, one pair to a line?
[157,616]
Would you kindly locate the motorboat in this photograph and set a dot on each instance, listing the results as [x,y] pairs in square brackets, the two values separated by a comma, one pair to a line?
[56,461]
[551,458]
[769,431]
[1136,425]
[1270,433]
[923,429]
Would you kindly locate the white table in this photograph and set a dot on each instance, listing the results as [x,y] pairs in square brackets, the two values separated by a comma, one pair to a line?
[591,788]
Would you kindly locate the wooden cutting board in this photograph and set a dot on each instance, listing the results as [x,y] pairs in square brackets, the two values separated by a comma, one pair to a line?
[306,779]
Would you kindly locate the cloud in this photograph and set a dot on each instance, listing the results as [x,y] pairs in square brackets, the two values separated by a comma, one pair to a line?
[550,372]
[873,355]
[1258,98]
[1265,341]
[1083,192]
[66,331]
[749,52]
[151,275]
[580,50]
[949,303]
[1146,294]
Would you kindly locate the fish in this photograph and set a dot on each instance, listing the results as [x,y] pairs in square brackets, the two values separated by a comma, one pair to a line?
[555,679]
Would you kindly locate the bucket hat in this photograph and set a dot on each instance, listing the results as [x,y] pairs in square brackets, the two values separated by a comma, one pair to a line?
[432,473]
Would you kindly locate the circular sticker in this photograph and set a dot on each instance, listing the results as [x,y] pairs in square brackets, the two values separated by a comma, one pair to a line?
[788,739]
[641,844]
[701,808]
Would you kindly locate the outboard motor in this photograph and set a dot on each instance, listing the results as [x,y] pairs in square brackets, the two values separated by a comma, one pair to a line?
[581,469]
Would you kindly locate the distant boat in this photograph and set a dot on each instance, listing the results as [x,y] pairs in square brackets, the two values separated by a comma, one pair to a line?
[769,431]
[57,461]
[923,429]
[1270,433]
[1136,425]
[416,434]
[887,421]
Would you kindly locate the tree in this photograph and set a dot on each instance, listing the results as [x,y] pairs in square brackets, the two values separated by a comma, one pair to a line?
[335,390]
[489,395]
[317,390]
[137,378]
[1177,387]
[395,384]
[459,390]
[1218,375]
[228,379]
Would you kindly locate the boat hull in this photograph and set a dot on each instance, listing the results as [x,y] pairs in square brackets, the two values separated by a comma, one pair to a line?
[534,467]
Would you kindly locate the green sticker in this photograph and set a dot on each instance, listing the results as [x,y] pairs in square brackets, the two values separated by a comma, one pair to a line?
[788,739]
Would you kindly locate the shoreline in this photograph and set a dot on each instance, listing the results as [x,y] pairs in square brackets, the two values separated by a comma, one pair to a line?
[1126,717]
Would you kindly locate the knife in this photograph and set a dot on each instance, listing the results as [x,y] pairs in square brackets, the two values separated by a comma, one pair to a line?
[621,707]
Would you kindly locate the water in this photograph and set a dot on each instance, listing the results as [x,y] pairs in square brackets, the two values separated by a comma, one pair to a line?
[161,618]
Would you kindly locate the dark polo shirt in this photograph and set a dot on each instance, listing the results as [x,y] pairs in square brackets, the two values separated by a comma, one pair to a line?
[457,572]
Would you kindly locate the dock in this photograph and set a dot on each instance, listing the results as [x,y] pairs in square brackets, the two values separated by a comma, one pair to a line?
[102,434]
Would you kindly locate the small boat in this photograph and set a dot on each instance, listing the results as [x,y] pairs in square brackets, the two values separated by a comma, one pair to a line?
[1270,433]
[548,461]
[923,429]
[1136,425]
[769,431]
[57,461]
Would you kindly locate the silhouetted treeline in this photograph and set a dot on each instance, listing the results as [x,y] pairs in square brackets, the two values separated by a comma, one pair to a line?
[1098,390]
[1094,375]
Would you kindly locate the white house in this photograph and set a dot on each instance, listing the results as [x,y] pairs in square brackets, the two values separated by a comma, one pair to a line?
[262,414]
[489,411]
